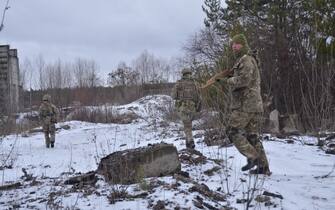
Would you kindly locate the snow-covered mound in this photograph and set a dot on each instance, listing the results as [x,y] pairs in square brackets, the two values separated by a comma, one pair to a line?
[34,176]
[21,117]
[149,107]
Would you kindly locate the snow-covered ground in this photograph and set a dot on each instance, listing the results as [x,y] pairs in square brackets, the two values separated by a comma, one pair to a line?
[298,170]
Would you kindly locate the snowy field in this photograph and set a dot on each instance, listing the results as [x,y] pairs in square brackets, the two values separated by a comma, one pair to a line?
[298,170]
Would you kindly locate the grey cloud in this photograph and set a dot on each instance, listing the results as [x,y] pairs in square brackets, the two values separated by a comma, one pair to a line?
[100,29]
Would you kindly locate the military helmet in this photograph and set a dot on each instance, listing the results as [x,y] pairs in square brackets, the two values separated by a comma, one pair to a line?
[46,97]
[240,39]
[186,71]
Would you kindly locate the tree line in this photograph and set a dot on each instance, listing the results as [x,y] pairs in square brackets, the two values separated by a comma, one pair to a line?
[145,69]
[42,75]
[38,74]
[81,81]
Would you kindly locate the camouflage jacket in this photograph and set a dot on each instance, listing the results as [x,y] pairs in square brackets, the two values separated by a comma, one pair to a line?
[245,85]
[186,91]
[48,113]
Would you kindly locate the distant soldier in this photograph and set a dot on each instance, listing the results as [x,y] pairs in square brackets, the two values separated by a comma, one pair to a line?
[48,115]
[187,103]
[247,107]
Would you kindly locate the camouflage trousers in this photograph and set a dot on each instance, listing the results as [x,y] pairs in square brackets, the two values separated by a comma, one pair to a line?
[49,133]
[187,118]
[244,133]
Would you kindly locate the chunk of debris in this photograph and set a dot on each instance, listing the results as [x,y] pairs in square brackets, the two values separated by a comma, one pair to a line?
[117,195]
[273,194]
[130,166]
[204,190]
[262,198]
[207,205]
[192,157]
[85,179]
[330,151]
[210,172]
[243,200]
[198,204]
[289,141]
[330,137]
[159,205]
[25,135]
[65,127]
[26,176]
[15,185]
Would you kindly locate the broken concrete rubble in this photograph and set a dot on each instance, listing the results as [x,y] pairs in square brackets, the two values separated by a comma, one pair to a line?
[130,166]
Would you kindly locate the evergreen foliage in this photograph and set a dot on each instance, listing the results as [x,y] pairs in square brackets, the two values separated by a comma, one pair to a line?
[296,45]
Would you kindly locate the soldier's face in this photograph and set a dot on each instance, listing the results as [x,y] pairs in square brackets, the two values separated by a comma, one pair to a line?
[236,47]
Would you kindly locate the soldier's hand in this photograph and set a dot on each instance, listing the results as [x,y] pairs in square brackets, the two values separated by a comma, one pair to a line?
[211,81]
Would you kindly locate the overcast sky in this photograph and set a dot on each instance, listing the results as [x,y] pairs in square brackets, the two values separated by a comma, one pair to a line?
[107,31]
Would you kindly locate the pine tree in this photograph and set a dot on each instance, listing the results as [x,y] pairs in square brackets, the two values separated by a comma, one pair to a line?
[296,43]
[213,11]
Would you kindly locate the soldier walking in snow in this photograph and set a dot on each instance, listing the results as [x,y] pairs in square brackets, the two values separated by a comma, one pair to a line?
[187,103]
[247,107]
[48,114]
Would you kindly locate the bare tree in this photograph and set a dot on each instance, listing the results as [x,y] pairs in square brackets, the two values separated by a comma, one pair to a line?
[58,76]
[123,76]
[205,47]
[150,68]
[53,75]
[175,64]
[68,80]
[79,69]
[93,79]
[40,66]
[86,73]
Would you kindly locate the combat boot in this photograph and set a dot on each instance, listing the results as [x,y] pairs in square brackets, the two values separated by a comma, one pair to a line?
[47,141]
[190,145]
[250,164]
[52,140]
[261,170]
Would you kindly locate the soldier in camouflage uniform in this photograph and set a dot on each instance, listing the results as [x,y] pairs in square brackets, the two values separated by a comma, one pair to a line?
[247,107]
[187,103]
[48,115]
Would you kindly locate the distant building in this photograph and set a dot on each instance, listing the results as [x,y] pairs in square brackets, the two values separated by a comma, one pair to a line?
[9,80]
